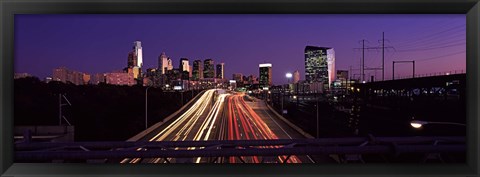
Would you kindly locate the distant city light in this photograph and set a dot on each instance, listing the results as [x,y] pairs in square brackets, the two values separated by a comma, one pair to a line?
[289,75]
[265,65]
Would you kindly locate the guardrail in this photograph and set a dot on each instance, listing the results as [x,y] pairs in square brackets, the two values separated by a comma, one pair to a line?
[228,148]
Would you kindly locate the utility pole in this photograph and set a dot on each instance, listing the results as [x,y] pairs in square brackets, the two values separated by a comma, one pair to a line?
[363,60]
[383,56]
[349,78]
[393,70]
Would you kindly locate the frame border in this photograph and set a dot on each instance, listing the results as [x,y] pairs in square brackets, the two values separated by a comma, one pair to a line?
[9,8]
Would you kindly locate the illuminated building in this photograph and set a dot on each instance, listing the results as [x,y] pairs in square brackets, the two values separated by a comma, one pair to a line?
[265,74]
[320,65]
[86,78]
[220,70]
[184,64]
[65,75]
[162,62]
[132,59]
[97,78]
[137,49]
[135,60]
[197,72]
[296,77]
[120,79]
[169,64]
[21,75]
[184,68]
[208,69]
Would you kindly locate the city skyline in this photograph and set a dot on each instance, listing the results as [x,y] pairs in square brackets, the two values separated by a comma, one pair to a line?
[433,40]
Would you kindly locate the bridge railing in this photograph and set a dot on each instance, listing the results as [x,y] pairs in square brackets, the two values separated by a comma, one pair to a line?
[35,151]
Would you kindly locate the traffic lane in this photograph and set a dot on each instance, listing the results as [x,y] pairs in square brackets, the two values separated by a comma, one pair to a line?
[173,128]
[243,129]
[278,126]
[260,129]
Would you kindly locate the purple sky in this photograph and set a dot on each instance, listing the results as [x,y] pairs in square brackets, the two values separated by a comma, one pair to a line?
[100,43]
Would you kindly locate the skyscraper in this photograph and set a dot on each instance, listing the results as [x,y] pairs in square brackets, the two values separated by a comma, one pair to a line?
[320,65]
[208,69]
[296,77]
[190,69]
[184,68]
[183,64]
[135,60]
[137,49]
[132,60]
[220,70]
[197,73]
[265,74]
[169,64]
[162,63]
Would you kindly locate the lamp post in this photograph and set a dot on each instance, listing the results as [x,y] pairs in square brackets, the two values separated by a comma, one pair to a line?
[146,107]
[419,123]
[288,76]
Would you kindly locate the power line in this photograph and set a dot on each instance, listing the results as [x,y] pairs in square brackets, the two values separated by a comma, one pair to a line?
[427,27]
[435,40]
[445,42]
[432,48]
[437,57]
[435,34]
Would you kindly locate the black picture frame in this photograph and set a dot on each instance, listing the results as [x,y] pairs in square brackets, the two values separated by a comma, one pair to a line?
[8,9]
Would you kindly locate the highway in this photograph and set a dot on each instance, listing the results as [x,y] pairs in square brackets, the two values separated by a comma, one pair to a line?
[218,115]
[199,122]
[245,124]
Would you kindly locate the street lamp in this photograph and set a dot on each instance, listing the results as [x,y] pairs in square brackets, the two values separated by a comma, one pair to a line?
[419,123]
[288,76]
[146,107]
